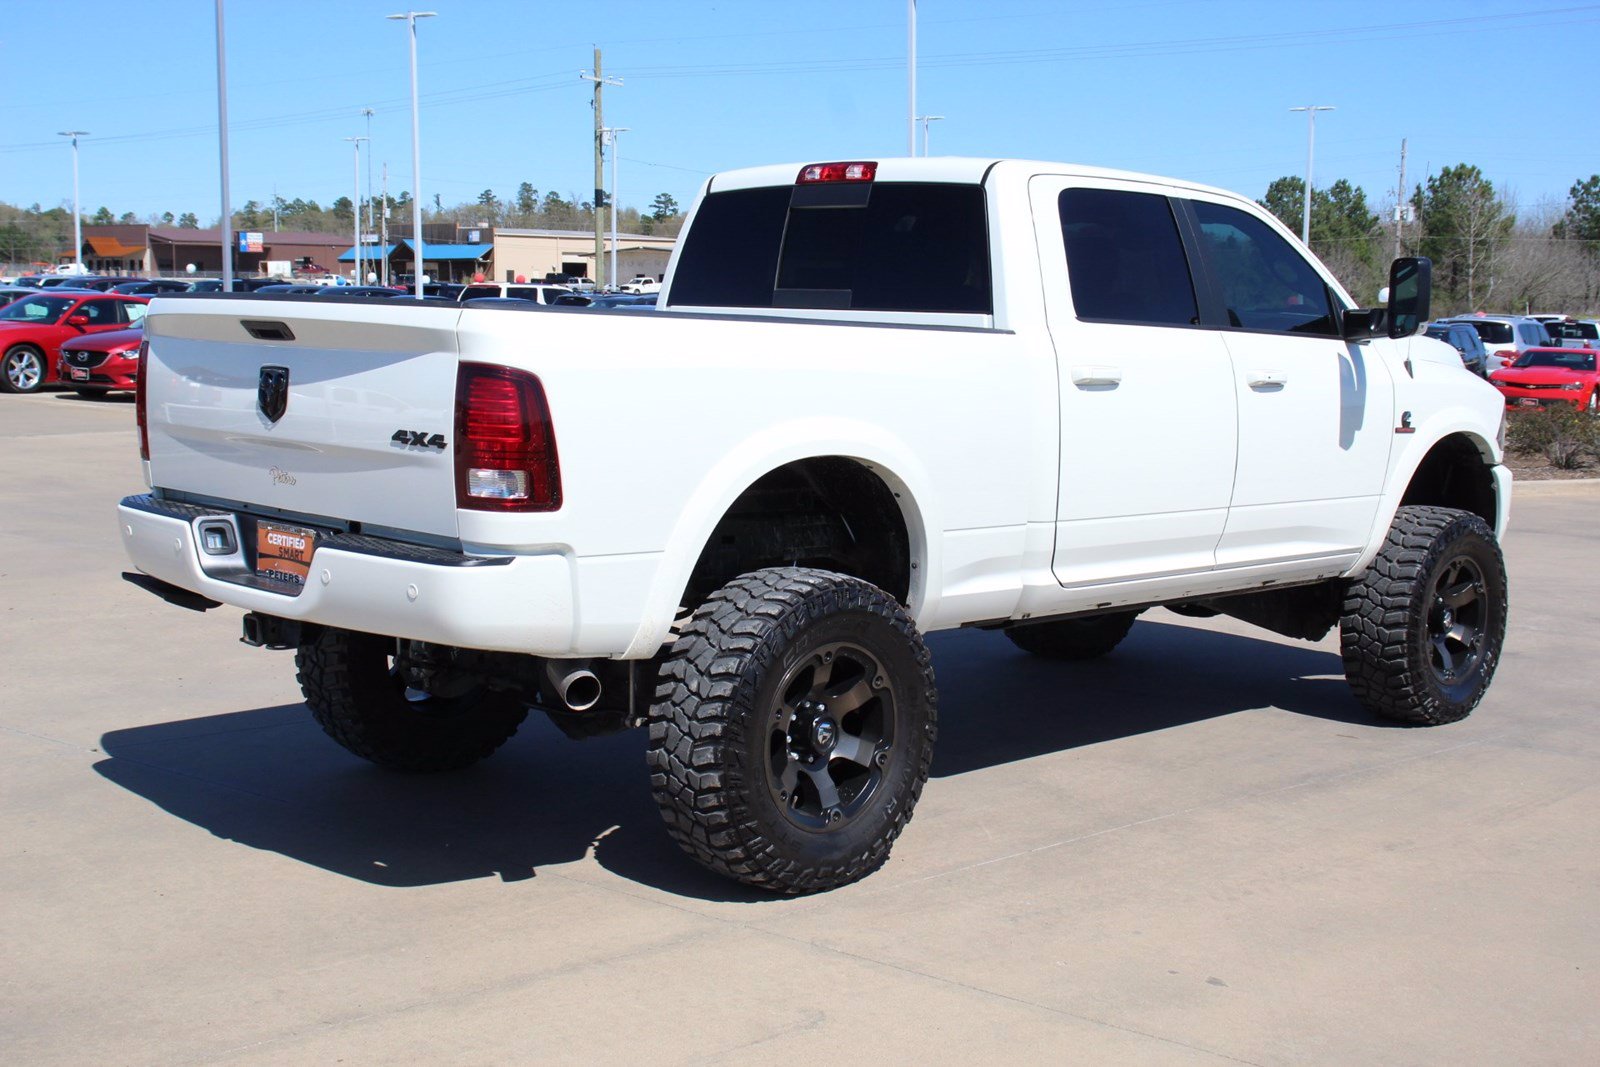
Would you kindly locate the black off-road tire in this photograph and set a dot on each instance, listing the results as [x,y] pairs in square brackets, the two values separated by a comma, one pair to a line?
[735,690]
[1089,637]
[1440,573]
[347,683]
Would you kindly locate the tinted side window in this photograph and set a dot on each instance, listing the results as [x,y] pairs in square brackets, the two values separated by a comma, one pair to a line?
[473,292]
[1266,284]
[1125,258]
[730,254]
[100,312]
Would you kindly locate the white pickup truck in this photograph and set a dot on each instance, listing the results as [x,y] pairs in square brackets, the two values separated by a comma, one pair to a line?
[882,398]
[642,283]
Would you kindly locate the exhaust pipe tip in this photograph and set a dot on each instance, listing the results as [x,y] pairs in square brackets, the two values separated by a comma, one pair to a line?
[575,685]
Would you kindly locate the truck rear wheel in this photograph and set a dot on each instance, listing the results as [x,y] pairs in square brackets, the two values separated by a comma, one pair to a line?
[358,697]
[792,729]
[1422,629]
[1073,639]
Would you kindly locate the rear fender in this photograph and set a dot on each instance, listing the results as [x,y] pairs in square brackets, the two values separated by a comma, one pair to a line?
[763,452]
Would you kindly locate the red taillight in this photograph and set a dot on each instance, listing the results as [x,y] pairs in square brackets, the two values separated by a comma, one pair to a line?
[817,173]
[505,445]
[139,402]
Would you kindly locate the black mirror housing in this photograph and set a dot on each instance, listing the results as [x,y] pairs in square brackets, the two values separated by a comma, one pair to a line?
[1363,324]
[1410,295]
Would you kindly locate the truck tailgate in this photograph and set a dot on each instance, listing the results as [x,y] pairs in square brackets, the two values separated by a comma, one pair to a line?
[358,375]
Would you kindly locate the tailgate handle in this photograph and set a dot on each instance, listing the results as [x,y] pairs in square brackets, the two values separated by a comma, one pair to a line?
[263,330]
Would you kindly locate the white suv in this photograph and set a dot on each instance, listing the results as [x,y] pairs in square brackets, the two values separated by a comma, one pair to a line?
[1506,336]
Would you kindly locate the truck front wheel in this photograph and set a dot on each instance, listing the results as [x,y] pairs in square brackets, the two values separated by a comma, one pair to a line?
[1089,637]
[792,729]
[358,697]
[1423,626]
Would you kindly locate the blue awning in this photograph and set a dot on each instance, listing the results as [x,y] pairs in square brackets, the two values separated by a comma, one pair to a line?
[441,253]
[367,252]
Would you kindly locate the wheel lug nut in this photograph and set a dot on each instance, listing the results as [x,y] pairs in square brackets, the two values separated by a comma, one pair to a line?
[881,759]
[834,814]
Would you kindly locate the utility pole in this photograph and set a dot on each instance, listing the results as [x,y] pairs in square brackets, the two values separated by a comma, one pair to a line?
[925,119]
[1400,201]
[600,82]
[274,207]
[911,77]
[1311,147]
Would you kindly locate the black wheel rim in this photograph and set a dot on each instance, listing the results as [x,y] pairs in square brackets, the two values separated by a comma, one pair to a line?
[1458,621]
[830,736]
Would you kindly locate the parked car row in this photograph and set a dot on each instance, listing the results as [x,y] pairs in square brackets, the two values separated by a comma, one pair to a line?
[1542,377]
[34,329]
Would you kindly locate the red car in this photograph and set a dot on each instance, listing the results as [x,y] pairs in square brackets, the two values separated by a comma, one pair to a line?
[1543,376]
[33,329]
[102,363]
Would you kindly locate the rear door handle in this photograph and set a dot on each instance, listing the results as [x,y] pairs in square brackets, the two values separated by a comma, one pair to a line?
[1267,379]
[1091,376]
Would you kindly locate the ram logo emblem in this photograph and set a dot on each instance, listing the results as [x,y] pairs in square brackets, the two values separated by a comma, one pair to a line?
[272,392]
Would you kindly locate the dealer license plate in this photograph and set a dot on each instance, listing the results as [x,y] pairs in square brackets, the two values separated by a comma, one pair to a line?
[1527,402]
[283,553]
[79,374]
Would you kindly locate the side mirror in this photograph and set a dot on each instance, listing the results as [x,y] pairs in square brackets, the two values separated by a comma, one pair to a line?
[77,320]
[1410,295]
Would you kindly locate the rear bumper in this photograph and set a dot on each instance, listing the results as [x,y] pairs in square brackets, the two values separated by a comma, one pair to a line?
[513,603]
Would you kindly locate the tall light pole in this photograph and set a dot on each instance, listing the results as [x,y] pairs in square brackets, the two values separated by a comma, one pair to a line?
[411,17]
[925,119]
[371,222]
[355,205]
[77,215]
[911,77]
[611,139]
[1311,148]
[222,152]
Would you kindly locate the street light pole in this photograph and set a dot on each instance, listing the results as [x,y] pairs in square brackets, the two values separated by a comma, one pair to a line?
[1311,148]
[371,222]
[77,214]
[355,250]
[911,77]
[411,17]
[925,119]
[222,150]
[611,139]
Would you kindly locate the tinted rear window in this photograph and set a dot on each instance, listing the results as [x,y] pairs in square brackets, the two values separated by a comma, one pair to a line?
[898,247]
[1493,333]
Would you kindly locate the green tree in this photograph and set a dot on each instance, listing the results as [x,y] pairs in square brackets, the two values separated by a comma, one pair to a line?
[103,217]
[527,202]
[187,221]
[1582,219]
[1465,226]
[663,207]
[250,215]
[128,217]
[168,218]
[343,210]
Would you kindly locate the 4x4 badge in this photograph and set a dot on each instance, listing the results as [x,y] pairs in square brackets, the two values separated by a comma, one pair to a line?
[272,393]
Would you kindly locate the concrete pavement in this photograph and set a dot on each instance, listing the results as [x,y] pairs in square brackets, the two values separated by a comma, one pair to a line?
[1199,850]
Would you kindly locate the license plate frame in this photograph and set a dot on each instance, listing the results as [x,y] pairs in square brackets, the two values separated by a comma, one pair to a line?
[79,374]
[1527,402]
[284,553]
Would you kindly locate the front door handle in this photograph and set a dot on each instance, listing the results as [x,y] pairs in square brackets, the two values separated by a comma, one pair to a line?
[1267,379]
[1092,376]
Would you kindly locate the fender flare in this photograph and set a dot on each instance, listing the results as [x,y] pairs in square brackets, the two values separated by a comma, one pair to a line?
[1449,422]
[742,465]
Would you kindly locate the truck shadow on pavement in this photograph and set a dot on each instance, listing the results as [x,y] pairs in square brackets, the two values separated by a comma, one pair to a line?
[269,779]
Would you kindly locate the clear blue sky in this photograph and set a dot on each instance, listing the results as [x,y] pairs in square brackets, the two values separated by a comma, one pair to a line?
[1180,87]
